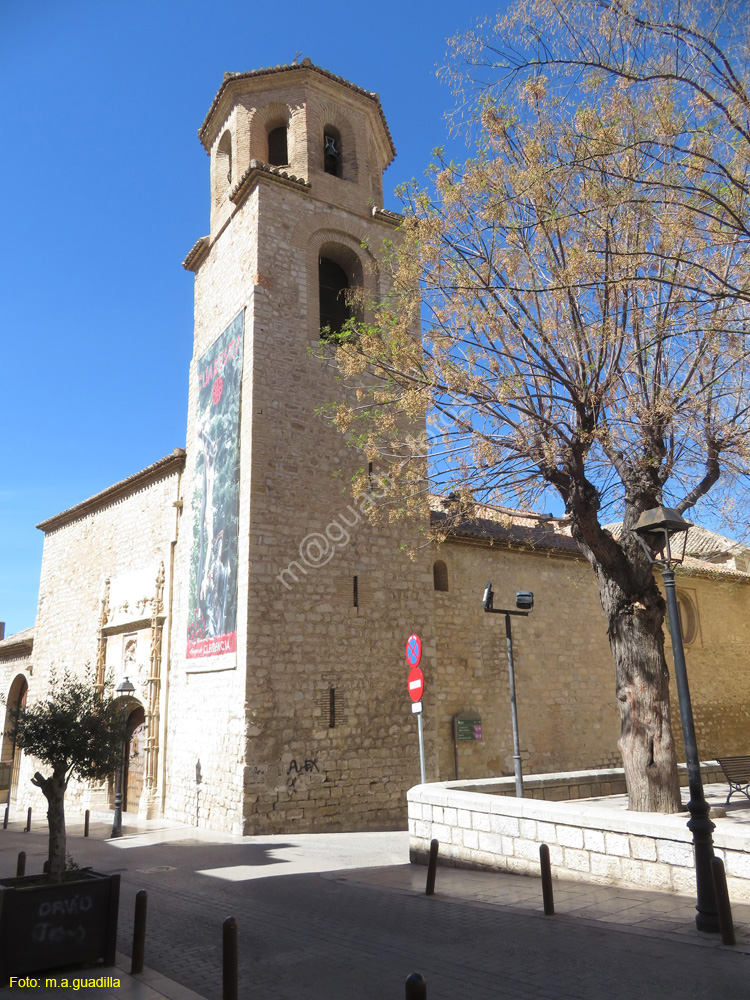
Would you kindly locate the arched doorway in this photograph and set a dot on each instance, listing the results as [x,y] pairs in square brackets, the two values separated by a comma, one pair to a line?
[135,758]
[10,757]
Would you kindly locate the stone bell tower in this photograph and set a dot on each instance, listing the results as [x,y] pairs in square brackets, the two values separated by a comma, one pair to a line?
[288,706]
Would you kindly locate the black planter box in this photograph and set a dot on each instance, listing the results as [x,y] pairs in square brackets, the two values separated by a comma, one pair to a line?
[65,923]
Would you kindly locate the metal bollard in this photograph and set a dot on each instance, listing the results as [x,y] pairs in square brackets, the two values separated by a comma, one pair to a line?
[722,901]
[139,932]
[229,969]
[547,893]
[86,823]
[21,865]
[416,986]
[6,816]
[28,822]
[432,868]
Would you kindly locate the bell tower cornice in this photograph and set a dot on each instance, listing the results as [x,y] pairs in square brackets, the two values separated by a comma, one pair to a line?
[297,127]
[227,93]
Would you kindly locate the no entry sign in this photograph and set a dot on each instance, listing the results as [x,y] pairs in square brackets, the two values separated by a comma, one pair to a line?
[413,650]
[415,684]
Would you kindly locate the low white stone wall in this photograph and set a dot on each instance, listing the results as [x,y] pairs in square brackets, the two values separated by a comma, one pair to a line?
[588,841]
[575,784]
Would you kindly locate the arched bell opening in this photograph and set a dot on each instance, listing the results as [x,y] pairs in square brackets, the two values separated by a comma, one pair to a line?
[339,278]
[278,146]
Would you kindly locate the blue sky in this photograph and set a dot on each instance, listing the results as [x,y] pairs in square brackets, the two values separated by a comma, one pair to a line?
[105,189]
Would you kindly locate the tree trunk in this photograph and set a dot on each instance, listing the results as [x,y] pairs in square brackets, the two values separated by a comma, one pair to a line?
[635,614]
[54,791]
[642,684]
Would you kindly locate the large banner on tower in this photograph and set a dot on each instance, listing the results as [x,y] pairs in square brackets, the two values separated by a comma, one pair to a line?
[212,620]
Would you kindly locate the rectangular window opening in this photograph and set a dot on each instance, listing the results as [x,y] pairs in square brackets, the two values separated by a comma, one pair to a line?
[332,708]
[355,593]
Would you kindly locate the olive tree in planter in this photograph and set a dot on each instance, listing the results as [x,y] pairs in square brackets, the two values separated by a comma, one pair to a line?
[77,732]
[63,917]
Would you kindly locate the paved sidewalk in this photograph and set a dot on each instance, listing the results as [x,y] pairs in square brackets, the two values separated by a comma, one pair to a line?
[206,876]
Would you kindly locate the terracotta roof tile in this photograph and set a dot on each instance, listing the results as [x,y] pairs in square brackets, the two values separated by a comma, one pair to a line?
[258,169]
[20,642]
[540,535]
[197,254]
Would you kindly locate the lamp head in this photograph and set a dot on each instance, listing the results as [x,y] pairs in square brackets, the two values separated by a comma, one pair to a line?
[125,688]
[657,526]
[488,597]
[524,600]
[660,519]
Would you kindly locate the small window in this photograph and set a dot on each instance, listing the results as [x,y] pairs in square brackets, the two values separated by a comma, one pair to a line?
[688,618]
[332,708]
[278,155]
[688,613]
[440,575]
[334,308]
[224,160]
[332,160]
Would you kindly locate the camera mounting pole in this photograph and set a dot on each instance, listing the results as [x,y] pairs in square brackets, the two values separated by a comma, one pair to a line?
[524,606]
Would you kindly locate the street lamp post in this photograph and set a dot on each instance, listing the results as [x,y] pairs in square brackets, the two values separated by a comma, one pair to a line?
[524,604]
[124,690]
[656,526]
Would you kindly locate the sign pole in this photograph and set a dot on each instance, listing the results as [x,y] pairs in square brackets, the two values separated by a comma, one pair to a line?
[415,687]
[455,743]
[421,747]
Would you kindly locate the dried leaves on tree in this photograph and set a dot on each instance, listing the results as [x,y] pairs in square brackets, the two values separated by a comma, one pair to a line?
[570,303]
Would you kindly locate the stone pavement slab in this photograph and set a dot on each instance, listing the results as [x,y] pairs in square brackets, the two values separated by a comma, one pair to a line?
[632,911]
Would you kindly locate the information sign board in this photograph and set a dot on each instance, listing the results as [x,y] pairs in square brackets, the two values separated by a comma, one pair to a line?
[468,726]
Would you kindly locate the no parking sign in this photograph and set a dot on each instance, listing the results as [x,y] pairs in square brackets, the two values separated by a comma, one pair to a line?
[415,687]
[413,650]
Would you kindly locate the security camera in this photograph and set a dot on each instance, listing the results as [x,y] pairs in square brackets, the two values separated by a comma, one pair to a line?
[524,600]
[488,597]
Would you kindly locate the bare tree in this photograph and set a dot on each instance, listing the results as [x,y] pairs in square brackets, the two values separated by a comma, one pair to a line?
[578,337]
[682,63]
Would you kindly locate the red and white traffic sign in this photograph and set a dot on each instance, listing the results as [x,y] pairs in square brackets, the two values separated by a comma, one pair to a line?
[413,650]
[415,684]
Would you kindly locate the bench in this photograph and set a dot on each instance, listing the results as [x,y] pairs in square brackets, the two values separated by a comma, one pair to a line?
[737,772]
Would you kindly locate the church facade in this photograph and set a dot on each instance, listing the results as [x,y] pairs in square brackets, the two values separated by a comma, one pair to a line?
[238,584]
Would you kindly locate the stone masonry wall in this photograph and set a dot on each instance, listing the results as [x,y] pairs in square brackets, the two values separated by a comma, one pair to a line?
[587,842]
[206,723]
[718,666]
[308,638]
[124,541]
[567,711]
